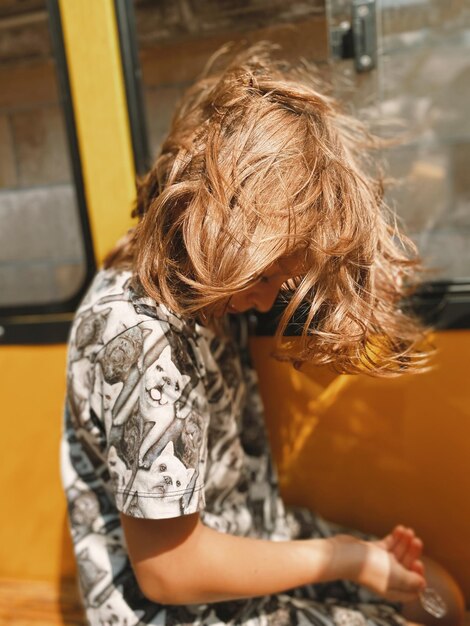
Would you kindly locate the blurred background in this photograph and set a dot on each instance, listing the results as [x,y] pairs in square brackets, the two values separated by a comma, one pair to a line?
[86,95]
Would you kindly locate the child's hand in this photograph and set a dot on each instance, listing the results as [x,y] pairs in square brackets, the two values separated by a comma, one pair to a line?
[375,565]
[406,547]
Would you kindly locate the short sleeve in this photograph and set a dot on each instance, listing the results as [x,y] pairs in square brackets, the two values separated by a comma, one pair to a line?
[156,418]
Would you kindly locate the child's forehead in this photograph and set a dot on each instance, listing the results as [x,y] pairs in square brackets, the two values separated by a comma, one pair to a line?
[292,264]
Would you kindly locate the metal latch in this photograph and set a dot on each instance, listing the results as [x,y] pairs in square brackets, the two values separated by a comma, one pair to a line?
[357,39]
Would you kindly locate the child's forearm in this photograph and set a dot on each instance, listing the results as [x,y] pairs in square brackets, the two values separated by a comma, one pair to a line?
[211,567]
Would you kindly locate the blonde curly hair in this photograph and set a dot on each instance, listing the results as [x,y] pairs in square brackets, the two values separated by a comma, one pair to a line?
[261,162]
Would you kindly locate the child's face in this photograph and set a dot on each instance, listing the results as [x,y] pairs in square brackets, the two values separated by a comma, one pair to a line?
[262,294]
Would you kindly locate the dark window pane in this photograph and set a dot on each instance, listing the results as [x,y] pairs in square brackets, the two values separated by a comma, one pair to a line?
[42,256]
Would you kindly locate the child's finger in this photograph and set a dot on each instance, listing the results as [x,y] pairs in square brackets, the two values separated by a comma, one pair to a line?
[415,548]
[395,537]
[418,567]
[402,544]
[387,542]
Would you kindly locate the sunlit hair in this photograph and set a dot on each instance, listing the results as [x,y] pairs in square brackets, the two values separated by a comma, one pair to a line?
[260,162]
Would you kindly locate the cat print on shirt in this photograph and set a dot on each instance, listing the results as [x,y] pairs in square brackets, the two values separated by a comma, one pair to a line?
[167,479]
[88,339]
[191,440]
[113,612]
[90,329]
[96,581]
[120,476]
[227,465]
[119,365]
[159,401]
[103,399]
[120,354]
[85,511]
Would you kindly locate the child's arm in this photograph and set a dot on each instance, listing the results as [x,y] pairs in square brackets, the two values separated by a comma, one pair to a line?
[181,561]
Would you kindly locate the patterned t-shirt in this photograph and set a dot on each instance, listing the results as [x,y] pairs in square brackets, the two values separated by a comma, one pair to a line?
[162,419]
[157,425]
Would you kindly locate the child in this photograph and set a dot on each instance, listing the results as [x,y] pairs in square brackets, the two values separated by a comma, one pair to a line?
[173,502]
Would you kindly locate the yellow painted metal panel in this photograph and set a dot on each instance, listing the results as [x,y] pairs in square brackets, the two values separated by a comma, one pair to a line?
[364,452]
[370,453]
[34,541]
[93,57]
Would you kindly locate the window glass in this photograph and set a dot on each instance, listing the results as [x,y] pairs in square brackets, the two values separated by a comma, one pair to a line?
[176,38]
[42,256]
[421,88]
[426,82]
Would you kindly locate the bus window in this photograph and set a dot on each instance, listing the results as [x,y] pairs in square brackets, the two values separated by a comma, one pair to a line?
[174,44]
[420,92]
[45,254]
[412,90]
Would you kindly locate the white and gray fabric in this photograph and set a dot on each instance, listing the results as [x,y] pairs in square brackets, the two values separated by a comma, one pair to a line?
[163,418]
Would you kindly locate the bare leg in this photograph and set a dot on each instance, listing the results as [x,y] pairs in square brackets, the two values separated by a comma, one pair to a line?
[443,582]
